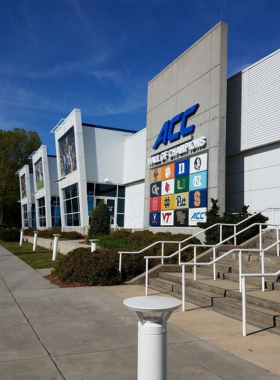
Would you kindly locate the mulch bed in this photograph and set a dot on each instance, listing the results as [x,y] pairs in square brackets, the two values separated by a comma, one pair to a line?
[56,281]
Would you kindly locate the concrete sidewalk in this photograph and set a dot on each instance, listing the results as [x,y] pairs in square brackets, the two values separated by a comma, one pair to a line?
[51,333]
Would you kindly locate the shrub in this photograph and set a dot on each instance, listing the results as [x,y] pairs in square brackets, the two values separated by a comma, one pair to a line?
[10,235]
[100,221]
[82,266]
[141,238]
[71,235]
[120,235]
[213,235]
[48,234]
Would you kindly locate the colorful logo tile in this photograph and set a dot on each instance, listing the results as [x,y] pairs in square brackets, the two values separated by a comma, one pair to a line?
[181,218]
[198,181]
[197,215]
[198,198]
[155,175]
[155,204]
[167,187]
[167,202]
[155,189]
[167,218]
[181,200]
[155,218]
[198,163]
[181,184]
[167,172]
[182,168]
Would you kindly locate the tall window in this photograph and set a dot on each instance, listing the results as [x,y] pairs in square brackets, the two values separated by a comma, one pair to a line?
[41,212]
[25,216]
[33,216]
[55,211]
[113,195]
[71,205]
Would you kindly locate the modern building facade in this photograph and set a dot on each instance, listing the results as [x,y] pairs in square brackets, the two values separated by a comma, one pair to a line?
[206,137]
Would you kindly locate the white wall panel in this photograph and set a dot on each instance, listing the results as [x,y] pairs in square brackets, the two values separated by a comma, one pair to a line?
[253,113]
[134,157]
[104,154]
[134,205]
[53,176]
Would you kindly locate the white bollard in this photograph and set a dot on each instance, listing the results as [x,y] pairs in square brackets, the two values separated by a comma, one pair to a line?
[93,244]
[153,313]
[21,237]
[55,245]
[35,240]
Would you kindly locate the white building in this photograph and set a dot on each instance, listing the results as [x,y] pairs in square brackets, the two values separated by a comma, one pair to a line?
[206,137]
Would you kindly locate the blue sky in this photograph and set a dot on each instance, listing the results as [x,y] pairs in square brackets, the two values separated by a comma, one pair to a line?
[98,55]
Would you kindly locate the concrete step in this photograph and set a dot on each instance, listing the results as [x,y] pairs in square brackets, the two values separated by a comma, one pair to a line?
[262,310]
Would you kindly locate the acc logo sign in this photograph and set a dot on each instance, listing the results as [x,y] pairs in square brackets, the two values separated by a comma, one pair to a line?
[167,131]
[197,215]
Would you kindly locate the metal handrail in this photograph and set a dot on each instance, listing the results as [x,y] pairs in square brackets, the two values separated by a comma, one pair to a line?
[198,233]
[243,286]
[162,257]
[242,276]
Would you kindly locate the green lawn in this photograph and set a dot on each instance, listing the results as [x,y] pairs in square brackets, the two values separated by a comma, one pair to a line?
[41,258]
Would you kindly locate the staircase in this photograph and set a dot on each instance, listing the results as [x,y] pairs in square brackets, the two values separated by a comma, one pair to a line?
[222,295]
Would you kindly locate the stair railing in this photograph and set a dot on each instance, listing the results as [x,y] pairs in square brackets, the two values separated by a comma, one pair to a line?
[213,262]
[121,253]
[243,286]
[240,251]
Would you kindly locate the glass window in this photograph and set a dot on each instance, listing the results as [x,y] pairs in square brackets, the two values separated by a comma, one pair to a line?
[90,189]
[120,205]
[120,220]
[121,191]
[55,211]
[103,190]
[71,205]
[41,212]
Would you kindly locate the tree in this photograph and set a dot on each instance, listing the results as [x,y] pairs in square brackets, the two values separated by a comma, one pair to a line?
[15,148]
[100,221]
[212,236]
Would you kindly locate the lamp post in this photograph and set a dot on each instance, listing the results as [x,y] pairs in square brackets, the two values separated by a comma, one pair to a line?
[35,240]
[153,313]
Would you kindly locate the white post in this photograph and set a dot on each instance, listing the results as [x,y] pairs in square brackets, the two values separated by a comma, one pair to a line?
[263,279]
[194,264]
[277,238]
[162,252]
[244,306]
[183,287]
[146,280]
[179,256]
[153,313]
[120,262]
[93,243]
[260,236]
[214,264]
[221,232]
[234,231]
[55,245]
[240,271]
[21,237]
[35,240]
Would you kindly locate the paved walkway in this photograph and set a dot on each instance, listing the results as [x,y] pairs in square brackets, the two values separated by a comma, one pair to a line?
[51,333]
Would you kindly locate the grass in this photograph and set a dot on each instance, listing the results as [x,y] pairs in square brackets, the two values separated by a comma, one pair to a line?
[39,259]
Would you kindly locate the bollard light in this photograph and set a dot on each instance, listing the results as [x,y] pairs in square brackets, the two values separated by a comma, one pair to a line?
[55,245]
[21,237]
[153,313]
[35,240]
[93,243]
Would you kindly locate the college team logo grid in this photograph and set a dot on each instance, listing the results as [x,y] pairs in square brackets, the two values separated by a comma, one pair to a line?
[178,193]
